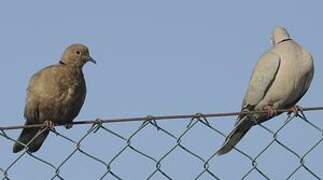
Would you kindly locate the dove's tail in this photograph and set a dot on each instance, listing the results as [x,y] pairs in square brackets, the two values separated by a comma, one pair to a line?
[235,135]
[34,136]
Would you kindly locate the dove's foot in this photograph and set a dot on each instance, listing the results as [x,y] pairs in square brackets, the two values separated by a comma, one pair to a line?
[49,124]
[270,111]
[296,109]
[68,125]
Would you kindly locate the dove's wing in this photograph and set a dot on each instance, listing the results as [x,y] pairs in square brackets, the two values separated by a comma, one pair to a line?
[263,76]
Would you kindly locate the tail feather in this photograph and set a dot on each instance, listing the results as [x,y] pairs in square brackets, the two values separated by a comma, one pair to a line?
[235,135]
[35,135]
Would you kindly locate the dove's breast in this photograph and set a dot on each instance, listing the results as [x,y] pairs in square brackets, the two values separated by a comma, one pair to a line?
[60,93]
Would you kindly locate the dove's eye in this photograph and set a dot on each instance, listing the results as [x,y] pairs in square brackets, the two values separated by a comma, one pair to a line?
[78,52]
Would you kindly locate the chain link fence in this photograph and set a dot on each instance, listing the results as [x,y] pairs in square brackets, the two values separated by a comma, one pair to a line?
[111,157]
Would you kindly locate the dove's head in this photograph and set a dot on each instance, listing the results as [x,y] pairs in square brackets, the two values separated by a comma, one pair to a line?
[279,34]
[76,55]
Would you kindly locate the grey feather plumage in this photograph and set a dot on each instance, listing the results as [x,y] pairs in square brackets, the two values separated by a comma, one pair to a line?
[279,80]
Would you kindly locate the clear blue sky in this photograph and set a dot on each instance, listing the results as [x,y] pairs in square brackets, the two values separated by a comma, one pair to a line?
[158,57]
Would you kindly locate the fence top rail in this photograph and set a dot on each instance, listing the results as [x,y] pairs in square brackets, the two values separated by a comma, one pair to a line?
[166,117]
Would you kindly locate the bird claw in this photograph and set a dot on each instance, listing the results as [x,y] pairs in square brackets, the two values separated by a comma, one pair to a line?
[68,125]
[270,111]
[49,124]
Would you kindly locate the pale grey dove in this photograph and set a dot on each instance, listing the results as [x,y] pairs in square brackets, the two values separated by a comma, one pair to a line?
[279,80]
[55,94]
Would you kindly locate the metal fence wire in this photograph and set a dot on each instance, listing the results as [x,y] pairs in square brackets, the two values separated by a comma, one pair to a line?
[159,167]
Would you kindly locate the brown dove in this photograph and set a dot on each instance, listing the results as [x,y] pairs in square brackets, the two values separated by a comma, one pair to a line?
[279,80]
[55,95]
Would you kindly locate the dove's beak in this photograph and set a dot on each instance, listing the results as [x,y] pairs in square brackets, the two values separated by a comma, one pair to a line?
[90,59]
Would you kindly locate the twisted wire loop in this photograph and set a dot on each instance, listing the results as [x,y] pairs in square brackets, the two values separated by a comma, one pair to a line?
[178,143]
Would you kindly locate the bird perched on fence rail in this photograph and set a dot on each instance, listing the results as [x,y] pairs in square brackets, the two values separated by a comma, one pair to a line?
[279,80]
[55,95]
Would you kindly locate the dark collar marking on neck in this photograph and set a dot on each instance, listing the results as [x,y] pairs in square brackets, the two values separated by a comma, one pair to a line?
[284,40]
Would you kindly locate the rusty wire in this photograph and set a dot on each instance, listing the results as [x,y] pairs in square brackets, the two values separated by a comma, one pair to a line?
[155,118]
[159,170]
